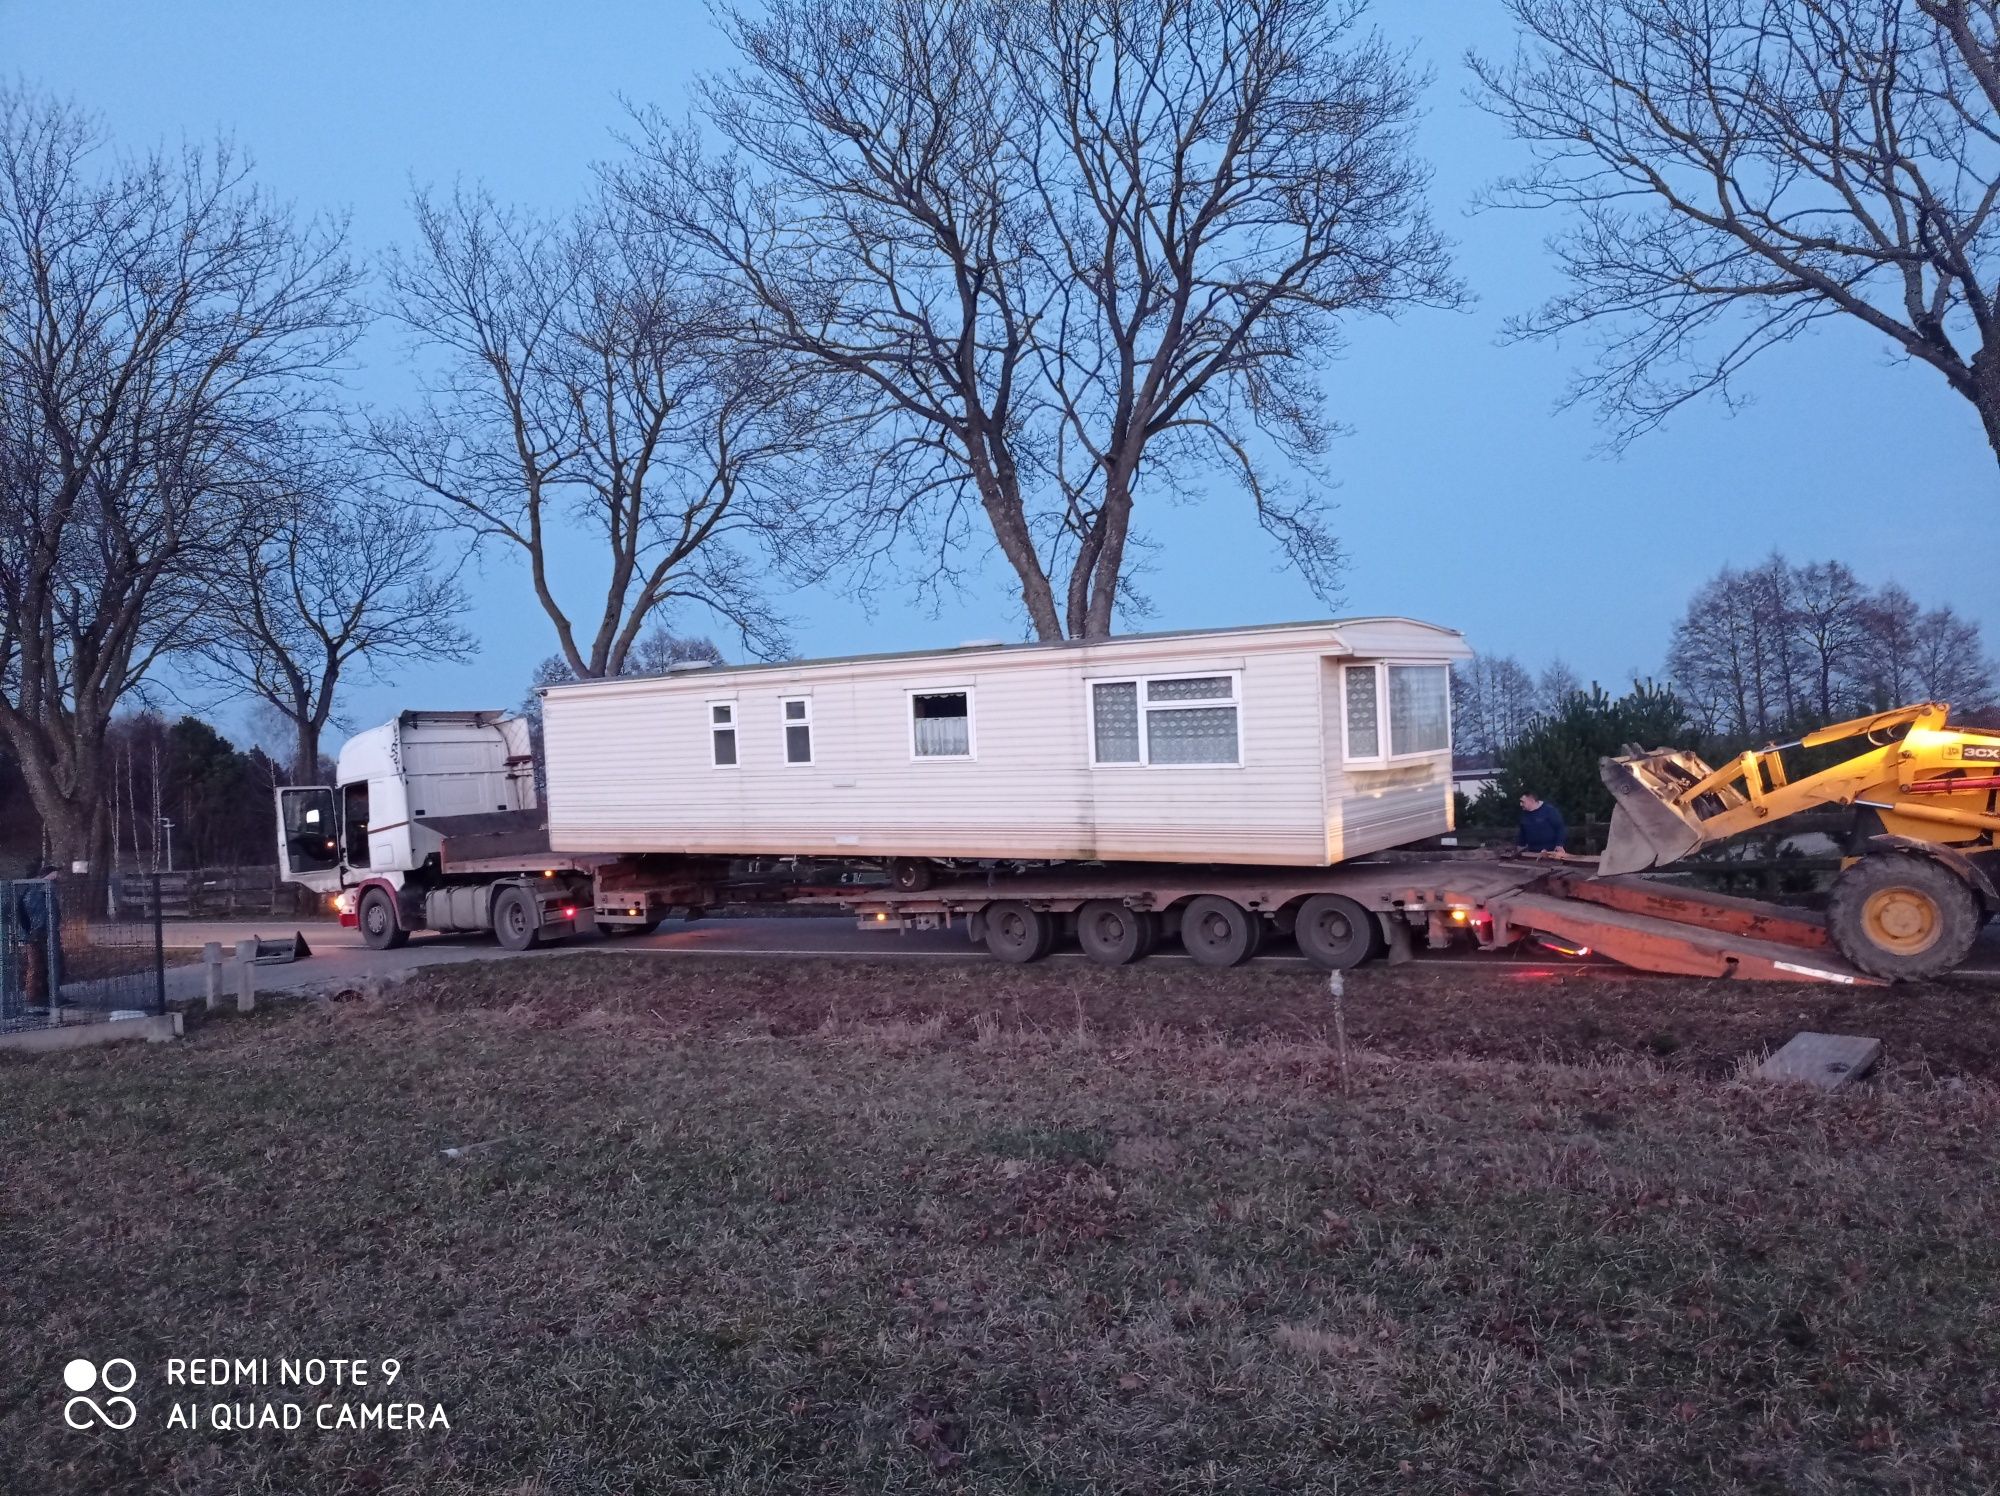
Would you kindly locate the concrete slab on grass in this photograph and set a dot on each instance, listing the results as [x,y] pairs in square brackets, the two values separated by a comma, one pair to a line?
[1828,1061]
[150,1027]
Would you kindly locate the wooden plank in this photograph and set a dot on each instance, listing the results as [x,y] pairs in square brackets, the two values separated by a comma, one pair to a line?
[1827,1061]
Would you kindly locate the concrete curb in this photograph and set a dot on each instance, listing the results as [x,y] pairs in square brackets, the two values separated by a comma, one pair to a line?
[152,1029]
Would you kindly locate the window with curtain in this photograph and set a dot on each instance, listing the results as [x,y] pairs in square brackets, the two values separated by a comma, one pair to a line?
[1175,720]
[941,724]
[1114,713]
[1364,718]
[1419,708]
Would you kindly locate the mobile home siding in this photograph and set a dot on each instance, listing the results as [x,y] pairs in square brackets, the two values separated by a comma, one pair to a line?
[631,763]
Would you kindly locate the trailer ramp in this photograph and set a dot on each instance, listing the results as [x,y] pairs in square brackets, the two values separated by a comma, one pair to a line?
[1675,931]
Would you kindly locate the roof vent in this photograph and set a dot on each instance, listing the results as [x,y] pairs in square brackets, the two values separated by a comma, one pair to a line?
[983,644]
[681,666]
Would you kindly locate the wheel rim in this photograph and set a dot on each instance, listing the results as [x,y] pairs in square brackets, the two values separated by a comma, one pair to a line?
[1334,928]
[1902,920]
[1013,928]
[1108,927]
[378,917]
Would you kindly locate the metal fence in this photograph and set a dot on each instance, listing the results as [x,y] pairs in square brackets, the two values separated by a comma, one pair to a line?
[66,958]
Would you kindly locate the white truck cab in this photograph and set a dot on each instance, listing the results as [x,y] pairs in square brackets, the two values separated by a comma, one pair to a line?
[377,824]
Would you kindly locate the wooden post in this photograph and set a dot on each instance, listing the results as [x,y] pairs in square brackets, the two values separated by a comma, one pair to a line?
[211,958]
[246,976]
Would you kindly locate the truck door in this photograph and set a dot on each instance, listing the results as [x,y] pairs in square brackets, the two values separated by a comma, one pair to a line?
[308,838]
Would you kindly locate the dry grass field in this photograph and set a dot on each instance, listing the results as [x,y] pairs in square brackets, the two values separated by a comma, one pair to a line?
[800,1227]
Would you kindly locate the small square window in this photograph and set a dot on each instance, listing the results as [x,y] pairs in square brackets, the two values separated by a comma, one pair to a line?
[941,724]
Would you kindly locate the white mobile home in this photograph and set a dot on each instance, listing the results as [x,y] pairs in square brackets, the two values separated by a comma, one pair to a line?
[1294,744]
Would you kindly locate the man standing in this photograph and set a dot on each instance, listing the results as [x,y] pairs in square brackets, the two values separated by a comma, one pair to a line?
[34,930]
[1542,828]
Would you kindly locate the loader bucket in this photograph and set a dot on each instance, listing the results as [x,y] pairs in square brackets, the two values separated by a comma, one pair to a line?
[1647,828]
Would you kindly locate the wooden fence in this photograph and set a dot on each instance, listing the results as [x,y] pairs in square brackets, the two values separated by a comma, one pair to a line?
[211,893]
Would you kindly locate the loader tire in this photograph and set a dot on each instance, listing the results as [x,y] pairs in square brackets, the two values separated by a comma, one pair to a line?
[1902,916]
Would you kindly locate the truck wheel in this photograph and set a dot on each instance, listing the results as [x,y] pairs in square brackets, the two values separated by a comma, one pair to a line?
[1901,916]
[911,874]
[1018,934]
[517,922]
[1220,932]
[1113,934]
[379,926]
[1335,932]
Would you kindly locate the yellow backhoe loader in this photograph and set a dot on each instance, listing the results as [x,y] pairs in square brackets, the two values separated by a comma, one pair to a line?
[1922,873]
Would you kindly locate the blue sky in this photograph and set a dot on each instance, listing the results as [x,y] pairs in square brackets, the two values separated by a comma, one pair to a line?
[1465,497]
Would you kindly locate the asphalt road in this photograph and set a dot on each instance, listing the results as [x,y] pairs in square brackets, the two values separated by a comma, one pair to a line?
[340,959]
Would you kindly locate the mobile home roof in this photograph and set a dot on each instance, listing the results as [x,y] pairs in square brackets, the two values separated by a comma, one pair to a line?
[1447,637]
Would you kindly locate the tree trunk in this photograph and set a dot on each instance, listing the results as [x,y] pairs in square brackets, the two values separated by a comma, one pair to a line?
[305,767]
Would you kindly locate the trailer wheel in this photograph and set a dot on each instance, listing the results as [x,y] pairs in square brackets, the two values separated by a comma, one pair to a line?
[1903,917]
[380,928]
[1017,934]
[1113,934]
[1220,932]
[1335,932]
[517,923]
[911,874]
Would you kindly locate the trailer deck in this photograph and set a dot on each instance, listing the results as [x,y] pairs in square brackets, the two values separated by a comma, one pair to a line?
[1492,901]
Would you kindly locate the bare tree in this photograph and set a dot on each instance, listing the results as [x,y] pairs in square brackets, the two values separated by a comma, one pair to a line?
[161,323]
[1742,169]
[1056,251]
[1493,703]
[1951,662]
[1554,687]
[591,384]
[344,585]
[1781,647]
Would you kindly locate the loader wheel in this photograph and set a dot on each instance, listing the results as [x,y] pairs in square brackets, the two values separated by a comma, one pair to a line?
[1017,934]
[1220,932]
[380,929]
[1902,917]
[517,922]
[1335,932]
[1113,934]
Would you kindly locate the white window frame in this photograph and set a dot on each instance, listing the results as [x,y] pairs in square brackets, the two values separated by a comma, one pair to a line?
[1140,683]
[1385,728]
[732,727]
[971,754]
[785,725]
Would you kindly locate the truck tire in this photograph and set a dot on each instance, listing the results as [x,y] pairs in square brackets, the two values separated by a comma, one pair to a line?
[1335,932]
[517,920]
[1017,934]
[1902,916]
[1114,934]
[1220,932]
[380,929]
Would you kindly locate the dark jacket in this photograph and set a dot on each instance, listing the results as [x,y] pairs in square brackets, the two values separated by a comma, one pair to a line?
[1542,829]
